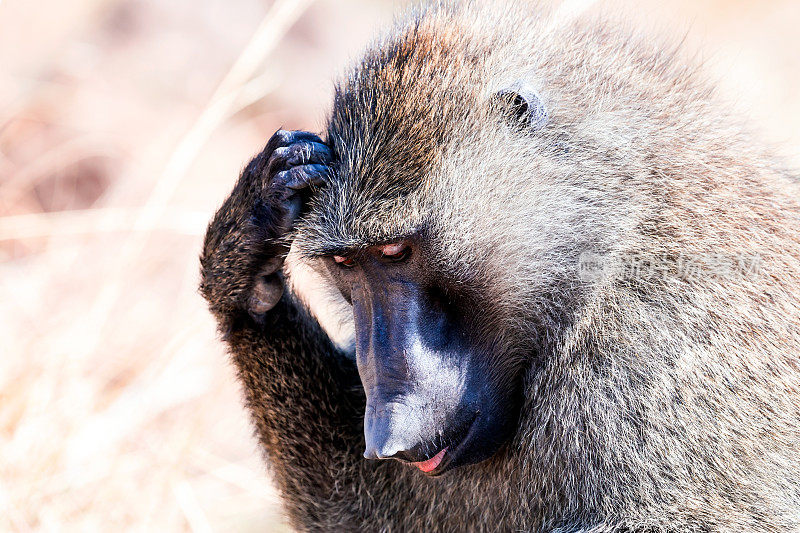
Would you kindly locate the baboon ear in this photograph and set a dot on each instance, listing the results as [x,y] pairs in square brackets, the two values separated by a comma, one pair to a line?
[523,106]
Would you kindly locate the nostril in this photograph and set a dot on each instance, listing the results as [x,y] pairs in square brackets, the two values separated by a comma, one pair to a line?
[387,451]
[390,431]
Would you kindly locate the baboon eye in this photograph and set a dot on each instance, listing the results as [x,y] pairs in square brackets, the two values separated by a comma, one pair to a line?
[394,252]
[346,262]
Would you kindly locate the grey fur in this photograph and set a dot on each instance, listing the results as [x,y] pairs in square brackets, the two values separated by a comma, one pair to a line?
[664,401]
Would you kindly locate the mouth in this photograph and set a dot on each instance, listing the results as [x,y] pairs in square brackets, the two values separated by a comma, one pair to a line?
[447,457]
[431,464]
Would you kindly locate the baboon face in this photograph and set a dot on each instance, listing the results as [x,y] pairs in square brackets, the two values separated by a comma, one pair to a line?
[402,242]
[424,167]
[431,380]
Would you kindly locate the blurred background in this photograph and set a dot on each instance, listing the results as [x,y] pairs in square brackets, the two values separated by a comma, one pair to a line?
[123,125]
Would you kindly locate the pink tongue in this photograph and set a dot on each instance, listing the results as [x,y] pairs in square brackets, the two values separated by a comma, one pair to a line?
[432,463]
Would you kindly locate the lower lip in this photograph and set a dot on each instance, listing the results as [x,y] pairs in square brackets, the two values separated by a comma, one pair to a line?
[431,464]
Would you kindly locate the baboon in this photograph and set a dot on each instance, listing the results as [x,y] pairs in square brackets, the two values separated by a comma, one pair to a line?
[573,278]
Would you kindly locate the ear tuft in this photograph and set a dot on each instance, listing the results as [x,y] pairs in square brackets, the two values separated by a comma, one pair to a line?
[524,106]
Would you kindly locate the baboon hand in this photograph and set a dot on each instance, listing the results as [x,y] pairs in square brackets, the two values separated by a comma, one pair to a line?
[297,160]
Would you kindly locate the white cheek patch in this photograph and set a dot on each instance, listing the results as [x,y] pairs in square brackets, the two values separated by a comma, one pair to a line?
[312,285]
[439,380]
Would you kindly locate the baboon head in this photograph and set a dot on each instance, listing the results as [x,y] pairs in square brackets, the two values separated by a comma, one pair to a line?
[438,229]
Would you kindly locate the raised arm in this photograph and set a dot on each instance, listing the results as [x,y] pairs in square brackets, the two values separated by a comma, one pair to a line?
[304,396]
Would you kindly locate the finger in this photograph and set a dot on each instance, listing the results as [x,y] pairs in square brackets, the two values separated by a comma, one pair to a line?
[282,138]
[303,153]
[306,175]
[272,265]
[308,153]
[267,292]
[297,178]
[293,206]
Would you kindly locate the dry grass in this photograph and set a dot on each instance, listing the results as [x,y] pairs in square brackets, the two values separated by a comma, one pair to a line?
[120,132]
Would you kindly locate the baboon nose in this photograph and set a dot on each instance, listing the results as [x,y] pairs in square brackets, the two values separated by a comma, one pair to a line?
[387,451]
[382,444]
[384,440]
